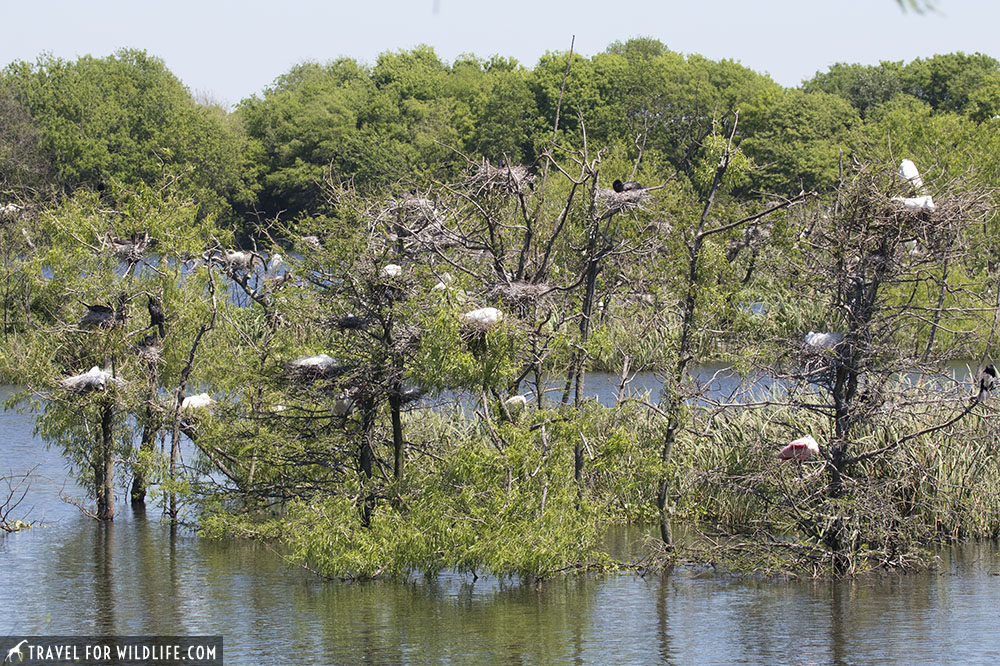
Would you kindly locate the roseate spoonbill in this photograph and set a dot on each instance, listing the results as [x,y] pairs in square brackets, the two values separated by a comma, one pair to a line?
[800,449]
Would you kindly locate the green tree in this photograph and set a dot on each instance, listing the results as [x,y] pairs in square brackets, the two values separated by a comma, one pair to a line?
[126,119]
[798,142]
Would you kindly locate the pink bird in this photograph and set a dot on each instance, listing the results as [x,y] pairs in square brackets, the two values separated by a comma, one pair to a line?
[801,449]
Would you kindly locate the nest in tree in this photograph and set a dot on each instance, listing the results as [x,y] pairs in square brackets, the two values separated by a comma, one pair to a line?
[320,366]
[414,213]
[819,355]
[150,349]
[132,248]
[519,293]
[613,202]
[417,223]
[510,179]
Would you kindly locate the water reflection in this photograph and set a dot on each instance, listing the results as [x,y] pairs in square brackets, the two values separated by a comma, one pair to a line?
[140,576]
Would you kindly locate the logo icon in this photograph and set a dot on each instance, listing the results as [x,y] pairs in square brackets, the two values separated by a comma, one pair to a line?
[15,650]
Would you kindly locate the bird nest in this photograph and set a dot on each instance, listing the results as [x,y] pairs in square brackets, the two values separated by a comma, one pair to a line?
[519,293]
[613,202]
[413,212]
[509,179]
[130,249]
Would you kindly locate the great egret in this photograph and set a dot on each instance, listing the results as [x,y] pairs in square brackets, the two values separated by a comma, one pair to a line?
[908,172]
[482,319]
[94,379]
[193,402]
[823,339]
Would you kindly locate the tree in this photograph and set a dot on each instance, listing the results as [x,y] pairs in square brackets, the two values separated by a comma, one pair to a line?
[112,324]
[127,120]
[797,142]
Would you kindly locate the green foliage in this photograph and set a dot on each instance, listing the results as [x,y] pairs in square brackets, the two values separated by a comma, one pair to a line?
[799,142]
[126,119]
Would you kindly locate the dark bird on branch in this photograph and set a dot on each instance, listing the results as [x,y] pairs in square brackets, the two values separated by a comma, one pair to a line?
[627,186]
[98,316]
[352,322]
[987,380]
[156,317]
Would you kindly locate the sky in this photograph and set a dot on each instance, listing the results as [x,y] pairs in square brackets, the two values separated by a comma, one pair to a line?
[227,50]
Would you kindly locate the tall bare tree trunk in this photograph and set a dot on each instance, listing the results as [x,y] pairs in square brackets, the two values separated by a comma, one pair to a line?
[104,464]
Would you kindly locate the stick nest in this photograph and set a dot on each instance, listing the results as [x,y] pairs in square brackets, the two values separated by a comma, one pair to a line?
[130,249]
[509,179]
[613,202]
[519,293]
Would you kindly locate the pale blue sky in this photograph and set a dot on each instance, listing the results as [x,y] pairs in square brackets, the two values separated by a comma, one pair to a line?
[232,49]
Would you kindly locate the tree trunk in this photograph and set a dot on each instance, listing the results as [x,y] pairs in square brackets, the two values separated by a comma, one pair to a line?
[397,432]
[104,466]
[366,457]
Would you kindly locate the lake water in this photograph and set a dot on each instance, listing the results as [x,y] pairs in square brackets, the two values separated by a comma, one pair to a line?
[139,576]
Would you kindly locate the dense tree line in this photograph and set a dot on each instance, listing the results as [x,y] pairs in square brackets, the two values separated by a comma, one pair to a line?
[411,118]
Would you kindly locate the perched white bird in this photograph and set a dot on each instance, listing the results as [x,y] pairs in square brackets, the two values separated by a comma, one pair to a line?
[443,283]
[275,264]
[482,319]
[823,339]
[320,364]
[236,260]
[908,172]
[800,449]
[94,379]
[392,270]
[925,202]
[344,405]
[516,403]
[196,402]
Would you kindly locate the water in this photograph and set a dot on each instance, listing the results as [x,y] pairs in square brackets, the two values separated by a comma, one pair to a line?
[138,576]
